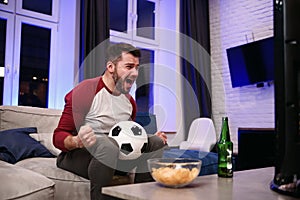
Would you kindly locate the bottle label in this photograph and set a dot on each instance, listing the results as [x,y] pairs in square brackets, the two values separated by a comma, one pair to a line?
[229,159]
[225,167]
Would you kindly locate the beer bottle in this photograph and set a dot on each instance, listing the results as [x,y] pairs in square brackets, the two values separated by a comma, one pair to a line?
[225,150]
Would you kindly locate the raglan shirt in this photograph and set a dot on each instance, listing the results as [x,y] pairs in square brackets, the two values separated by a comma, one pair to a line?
[92,103]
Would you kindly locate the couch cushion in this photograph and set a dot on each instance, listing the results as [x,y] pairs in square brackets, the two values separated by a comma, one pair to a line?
[47,167]
[16,144]
[17,182]
[67,184]
[46,139]
[45,119]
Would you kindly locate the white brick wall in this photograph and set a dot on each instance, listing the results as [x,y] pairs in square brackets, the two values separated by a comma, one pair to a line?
[233,23]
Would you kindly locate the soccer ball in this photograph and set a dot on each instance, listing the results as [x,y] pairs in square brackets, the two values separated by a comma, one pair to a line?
[131,137]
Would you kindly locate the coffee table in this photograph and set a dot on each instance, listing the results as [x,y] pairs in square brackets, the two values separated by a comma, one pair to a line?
[247,185]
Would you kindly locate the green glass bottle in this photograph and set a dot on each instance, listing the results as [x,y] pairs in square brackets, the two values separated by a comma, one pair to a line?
[225,150]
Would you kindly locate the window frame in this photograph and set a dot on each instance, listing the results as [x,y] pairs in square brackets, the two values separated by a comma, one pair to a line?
[156,24]
[131,34]
[17,50]
[53,18]
[7,86]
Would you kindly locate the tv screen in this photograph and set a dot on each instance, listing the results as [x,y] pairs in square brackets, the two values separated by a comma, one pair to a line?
[251,63]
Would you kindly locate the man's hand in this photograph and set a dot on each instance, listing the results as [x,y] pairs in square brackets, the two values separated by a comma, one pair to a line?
[86,137]
[162,135]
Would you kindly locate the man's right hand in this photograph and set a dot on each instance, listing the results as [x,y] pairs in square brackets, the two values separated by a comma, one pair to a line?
[86,136]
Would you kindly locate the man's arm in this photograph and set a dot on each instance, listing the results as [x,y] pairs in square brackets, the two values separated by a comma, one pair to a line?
[77,105]
[63,134]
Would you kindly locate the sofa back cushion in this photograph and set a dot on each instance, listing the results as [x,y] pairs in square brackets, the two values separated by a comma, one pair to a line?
[44,119]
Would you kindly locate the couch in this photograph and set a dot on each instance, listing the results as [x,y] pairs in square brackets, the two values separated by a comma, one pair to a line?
[34,175]
[28,158]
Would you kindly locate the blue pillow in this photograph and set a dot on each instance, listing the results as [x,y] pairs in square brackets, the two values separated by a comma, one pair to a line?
[16,145]
[209,159]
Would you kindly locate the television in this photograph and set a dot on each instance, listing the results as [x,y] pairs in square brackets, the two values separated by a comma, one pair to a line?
[251,63]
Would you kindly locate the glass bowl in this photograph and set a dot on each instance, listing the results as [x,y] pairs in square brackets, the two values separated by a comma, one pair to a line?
[174,172]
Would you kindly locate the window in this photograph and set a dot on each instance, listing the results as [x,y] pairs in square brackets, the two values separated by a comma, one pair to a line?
[134,22]
[27,51]
[2,55]
[42,7]
[6,52]
[34,65]
[45,9]
[146,18]
[119,15]
[34,55]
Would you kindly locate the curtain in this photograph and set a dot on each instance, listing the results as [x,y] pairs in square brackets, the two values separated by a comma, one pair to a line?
[195,63]
[94,37]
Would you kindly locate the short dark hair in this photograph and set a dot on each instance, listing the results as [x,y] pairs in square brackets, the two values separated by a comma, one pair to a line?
[114,52]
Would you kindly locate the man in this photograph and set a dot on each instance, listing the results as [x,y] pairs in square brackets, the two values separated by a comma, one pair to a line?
[91,109]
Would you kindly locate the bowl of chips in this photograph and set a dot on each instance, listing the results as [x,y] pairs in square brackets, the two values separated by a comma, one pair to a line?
[174,172]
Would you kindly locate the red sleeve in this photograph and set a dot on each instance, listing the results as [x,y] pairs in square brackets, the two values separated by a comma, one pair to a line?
[77,105]
[134,107]
[66,124]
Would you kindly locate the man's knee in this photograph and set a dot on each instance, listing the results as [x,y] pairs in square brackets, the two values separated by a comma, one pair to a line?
[105,147]
[105,151]
[110,147]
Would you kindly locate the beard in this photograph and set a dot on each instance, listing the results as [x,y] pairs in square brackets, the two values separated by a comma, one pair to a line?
[122,84]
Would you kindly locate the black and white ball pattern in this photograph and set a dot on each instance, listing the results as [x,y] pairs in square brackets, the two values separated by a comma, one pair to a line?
[131,137]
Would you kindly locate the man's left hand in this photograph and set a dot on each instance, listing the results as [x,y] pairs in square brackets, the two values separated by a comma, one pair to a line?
[162,135]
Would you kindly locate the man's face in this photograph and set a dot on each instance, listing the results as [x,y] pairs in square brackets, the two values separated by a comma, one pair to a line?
[126,72]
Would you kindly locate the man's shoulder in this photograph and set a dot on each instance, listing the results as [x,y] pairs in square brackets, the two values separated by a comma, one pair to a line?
[87,87]
[83,94]
[88,84]
[90,81]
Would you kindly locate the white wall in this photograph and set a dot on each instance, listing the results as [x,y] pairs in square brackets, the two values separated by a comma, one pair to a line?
[67,56]
[166,93]
[232,23]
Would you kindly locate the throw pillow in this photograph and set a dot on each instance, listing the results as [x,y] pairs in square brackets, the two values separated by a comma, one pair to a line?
[16,145]
[46,140]
[209,159]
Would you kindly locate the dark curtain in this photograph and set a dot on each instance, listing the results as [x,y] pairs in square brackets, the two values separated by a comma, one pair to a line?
[195,51]
[94,37]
